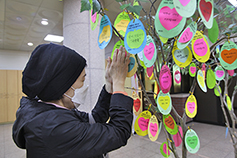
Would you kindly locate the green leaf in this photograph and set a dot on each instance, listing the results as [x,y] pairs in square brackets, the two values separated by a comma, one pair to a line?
[234,30]
[231,26]
[122,7]
[216,11]
[189,21]
[96,6]
[137,9]
[85,5]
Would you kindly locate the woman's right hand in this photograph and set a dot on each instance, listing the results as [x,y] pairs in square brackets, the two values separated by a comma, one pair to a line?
[119,68]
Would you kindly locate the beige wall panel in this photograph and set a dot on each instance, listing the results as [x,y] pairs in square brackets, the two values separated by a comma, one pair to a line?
[12,91]
[3,96]
[19,85]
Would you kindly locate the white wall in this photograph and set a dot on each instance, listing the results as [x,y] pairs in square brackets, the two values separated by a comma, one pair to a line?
[13,60]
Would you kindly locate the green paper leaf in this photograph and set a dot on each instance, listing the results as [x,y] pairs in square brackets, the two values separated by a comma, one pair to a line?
[96,6]
[213,33]
[85,5]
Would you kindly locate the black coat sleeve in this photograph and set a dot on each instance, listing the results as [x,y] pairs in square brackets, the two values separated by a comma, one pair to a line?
[72,138]
[101,109]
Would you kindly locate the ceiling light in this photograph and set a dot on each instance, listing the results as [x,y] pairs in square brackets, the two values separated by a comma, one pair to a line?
[233,2]
[18,18]
[54,38]
[44,22]
[30,44]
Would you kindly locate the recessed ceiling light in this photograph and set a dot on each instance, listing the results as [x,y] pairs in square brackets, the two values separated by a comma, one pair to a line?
[44,22]
[18,18]
[54,38]
[30,44]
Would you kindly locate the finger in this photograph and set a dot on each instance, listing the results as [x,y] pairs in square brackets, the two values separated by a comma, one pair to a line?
[108,62]
[120,54]
[127,60]
[123,55]
[115,55]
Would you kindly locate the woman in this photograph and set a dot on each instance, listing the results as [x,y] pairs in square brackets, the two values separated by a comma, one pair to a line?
[48,123]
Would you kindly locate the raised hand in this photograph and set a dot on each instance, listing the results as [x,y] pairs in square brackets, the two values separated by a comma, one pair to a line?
[119,69]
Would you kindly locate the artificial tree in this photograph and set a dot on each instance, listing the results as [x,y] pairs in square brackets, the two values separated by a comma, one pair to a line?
[225,15]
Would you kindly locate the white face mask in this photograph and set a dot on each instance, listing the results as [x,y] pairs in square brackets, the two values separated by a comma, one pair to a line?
[79,96]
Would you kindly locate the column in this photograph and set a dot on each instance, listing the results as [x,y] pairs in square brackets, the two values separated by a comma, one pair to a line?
[79,36]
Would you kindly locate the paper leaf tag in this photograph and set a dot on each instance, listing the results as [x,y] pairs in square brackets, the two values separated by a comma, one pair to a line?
[192,70]
[200,47]
[206,11]
[231,72]
[153,128]
[170,124]
[204,70]
[105,32]
[121,22]
[116,46]
[185,8]
[228,55]
[182,57]
[164,103]
[94,19]
[177,138]
[191,106]
[132,66]
[140,55]
[168,23]
[211,79]
[137,106]
[201,81]
[141,123]
[135,37]
[213,32]
[149,52]
[219,73]
[165,79]
[186,35]
[177,76]
[156,90]
[216,90]
[228,101]
[164,150]
[149,72]
[163,39]
[192,141]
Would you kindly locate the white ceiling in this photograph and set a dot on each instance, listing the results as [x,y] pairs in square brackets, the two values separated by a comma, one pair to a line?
[20,21]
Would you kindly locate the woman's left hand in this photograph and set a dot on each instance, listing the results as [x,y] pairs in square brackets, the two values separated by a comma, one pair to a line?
[108,78]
